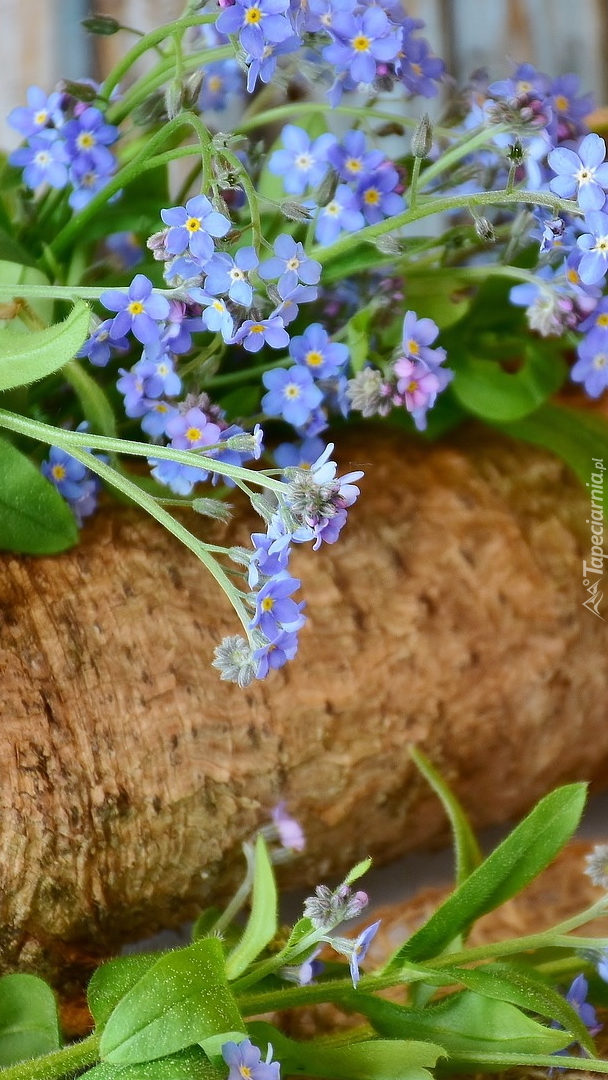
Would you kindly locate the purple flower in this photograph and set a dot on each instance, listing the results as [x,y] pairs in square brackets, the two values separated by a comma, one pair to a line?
[594,244]
[275,654]
[291,296]
[303,454]
[221,79]
[341,213]
[254,333]
[87,179]
[292,394]
[360,948]
[360,41]
[139,310]
[131,386]
[314,350]
[191,228]
[418,334]
[569,109]
[418,70]
[417,387]
[377,196]
[126,249]
[155,420]
[263,67]
[42,111]
[44,161]
[229,275]
[289,830]
[583,174]
[192,429]
[303,162]
[244,1061]
[290,264]
[257,22]
[270,553]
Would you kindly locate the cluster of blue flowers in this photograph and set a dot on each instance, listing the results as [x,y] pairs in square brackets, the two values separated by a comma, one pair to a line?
[67,143]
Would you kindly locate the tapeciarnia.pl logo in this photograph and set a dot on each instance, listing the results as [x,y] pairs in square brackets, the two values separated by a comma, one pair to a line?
[593,570]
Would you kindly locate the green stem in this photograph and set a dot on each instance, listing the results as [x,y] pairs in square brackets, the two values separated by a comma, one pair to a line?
[73,440]
[147,84]
[346,244]
[149,41]
[307,108]
[480,137]
[70,1059]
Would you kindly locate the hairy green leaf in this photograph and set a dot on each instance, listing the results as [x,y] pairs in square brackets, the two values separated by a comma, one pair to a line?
[29,1026]
[34,518]
[25,358]
[262,923]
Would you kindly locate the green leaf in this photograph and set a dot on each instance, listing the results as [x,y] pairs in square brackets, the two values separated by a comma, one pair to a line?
[496,1062]
[29,1026]
[358,871]
[463,1022]
[527,989]
[25,358]
[575,436]
[113,980]
[466,849]
[514,863]
[182,1000]
[358,329]
[95,405]
[262,923]
[487,390]
[190,1064]
[34,518]
[371,1059]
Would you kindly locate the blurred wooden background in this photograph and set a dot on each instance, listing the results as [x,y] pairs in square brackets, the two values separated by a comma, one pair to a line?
[42,40]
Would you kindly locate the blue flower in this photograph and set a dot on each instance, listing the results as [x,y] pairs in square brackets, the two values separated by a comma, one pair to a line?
[275,654]
[351,159]
[229,275]
[292,394]
[87,179]
[303,162]
[42,111]
[314,350]
[191,228]
[254,333]
[360,41]
[290,296]
[377,196]
[594,244]
[263,67]
[77,484]
[341,213]
[244,1061]
[257,23]
[44,161]
[417,68]
[302,454]
[139,310]
[221,79]
[98,347]
[583,174]
[360,948]
[591,368]
[216,316]
[290,264]
[88,137]
[274,610]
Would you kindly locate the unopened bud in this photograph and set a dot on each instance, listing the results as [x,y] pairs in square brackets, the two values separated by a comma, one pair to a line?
[104,25]
[296,212]
[80,90]
[388,245]
[485,230]
[327,187]
[213,508]
[174,96]
[515,153]
[422,139]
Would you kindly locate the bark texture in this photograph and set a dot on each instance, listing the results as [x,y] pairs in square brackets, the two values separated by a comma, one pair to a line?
[449,615]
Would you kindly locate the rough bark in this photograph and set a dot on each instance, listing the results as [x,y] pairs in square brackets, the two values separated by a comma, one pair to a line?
[449,615]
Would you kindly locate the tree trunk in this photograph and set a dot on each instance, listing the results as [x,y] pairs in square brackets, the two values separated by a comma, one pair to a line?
[449,615]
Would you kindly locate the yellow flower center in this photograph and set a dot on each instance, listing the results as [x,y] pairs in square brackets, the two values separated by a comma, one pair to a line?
[58,472]
[257,328]
[253,16]
[562,103]
[304,161]
[292,264]
[353,165]
[602,320]
[135,307]
[218,305]
[292,390]
[215,83]
[266,605]
[372,197]
[413,347]
[332,209]
[361,43]
[416,69]
[85,140]
[41,117]
[314,358]
[600,361]
[193,224]
[573,277]
[524,87]
[193,434]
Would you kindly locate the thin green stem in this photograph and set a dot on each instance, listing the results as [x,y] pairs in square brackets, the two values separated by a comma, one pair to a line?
[252,198]
[345,244]
[73,440]
[149,41]
[70,1059]
[472,141]
[147,84]
[306,108]
[413,188]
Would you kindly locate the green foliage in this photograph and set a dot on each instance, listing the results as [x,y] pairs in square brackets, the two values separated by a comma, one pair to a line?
[34,519]
[181,1000]
[25,358]
[513,864]
[29,1025]
[571,434]
[466,849]
[262,923]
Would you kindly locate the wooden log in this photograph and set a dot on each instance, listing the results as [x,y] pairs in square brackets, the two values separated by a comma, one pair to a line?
[449,615]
